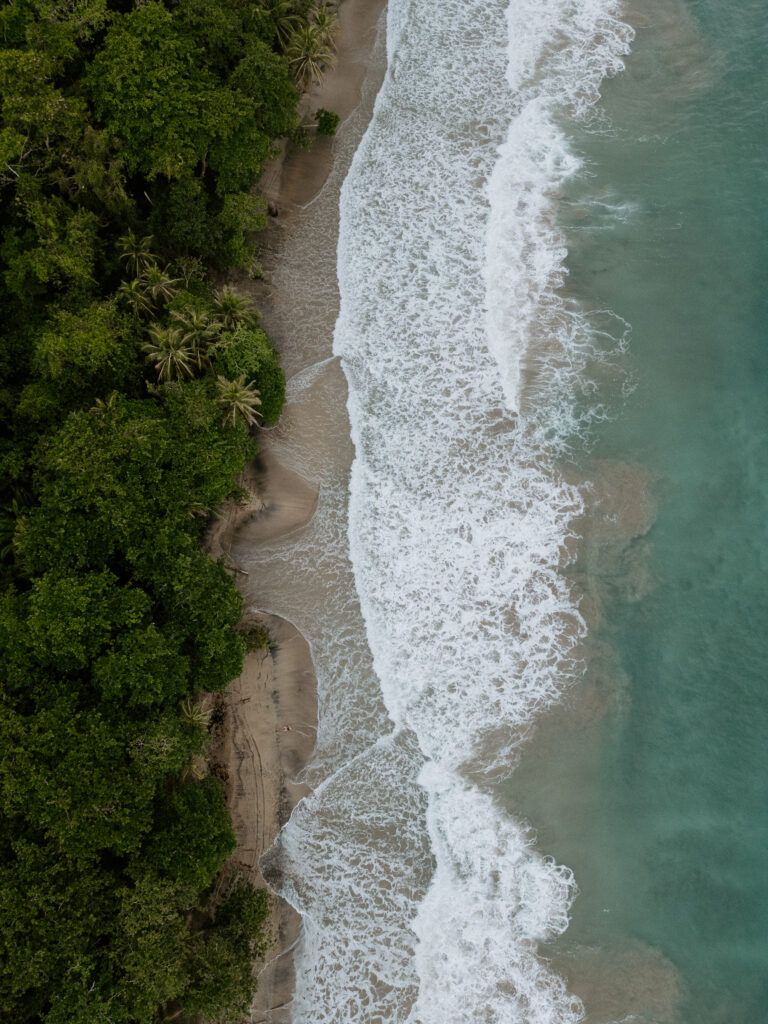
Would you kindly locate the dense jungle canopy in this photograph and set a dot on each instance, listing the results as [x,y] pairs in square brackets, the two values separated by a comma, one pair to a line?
[131,135]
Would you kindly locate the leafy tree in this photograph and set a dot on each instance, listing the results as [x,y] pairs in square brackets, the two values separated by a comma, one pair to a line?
[48,245]
[221,982]
[152,940]
[73,616]
[192,835]
[196,598]
[264,78]
[63,771]
[240,215]
[162,743]
[152,90]
[92,347]
[48,915]
[142,667]
[92,174]
[108,482]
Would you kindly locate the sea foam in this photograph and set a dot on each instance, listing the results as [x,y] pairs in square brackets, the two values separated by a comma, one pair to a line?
[423,901]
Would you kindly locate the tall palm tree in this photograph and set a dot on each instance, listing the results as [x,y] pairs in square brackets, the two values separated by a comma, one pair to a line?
[238,399]
[136,252]
[199,330]
[134,295]
[232,309]
[325,19]
[285,18]
[309,56]
[171,354]
[159,283]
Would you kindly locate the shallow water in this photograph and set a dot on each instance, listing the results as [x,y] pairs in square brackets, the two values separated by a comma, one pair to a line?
[671,232]
[537,638]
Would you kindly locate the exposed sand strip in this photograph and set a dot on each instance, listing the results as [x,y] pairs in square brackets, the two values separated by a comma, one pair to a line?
[268,715]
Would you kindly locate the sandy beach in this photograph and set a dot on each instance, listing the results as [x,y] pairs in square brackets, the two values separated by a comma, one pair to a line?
[268,716]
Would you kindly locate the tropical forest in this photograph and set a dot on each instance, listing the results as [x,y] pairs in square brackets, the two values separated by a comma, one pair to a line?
[134,379]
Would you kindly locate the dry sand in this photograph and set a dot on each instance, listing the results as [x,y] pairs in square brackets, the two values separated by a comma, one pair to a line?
[267,735]
[267,717]
[295,179]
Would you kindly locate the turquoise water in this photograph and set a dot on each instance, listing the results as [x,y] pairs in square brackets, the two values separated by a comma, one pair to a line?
[666,826]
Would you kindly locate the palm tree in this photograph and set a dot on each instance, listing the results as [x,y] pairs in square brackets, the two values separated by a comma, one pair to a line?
[135,297]
[195,713]
[237,399]
[309,55]
[172,355]
[193,771]
[9,517]
[159,283]
[233,309]
[104,406]
[285,18]
[136,252]
[199,330]
[325,20]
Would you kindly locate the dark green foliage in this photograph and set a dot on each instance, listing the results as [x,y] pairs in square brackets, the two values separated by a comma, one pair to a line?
[90,350]
[73,616]
[327,122]
[66,777]
[223,981]
[130,138]
[142,91]
[248,351]
[111,472]
[144,666]
[193,834]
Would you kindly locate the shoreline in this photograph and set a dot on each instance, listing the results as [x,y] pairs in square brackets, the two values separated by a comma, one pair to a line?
[269,713]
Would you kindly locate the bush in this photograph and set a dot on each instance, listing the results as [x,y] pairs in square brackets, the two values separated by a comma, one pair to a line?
[327,122]
[256,638]
[249,351]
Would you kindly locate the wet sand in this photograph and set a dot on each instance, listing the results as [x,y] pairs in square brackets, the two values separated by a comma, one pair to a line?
[269,714]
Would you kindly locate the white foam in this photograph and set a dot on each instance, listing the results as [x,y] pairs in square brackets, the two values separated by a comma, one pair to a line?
[355,860]
[492,899]
[559,53]
[425,903]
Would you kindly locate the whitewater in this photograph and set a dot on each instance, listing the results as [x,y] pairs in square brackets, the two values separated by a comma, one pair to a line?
[471,373]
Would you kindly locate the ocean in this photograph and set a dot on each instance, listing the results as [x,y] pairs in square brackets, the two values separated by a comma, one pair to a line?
[536,608]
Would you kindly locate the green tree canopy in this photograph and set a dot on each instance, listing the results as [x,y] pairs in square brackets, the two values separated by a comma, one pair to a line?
[131,135]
